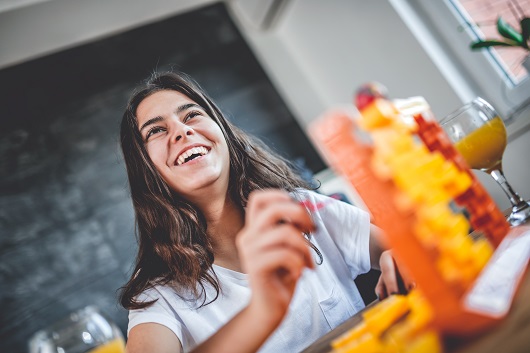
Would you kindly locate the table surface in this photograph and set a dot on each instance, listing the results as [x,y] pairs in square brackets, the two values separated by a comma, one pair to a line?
[511,335]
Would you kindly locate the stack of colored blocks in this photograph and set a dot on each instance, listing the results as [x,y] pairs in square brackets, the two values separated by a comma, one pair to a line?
[410,176]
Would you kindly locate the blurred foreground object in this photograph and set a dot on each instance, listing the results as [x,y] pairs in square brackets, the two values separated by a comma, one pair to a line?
[83,331]
[408,173]
[368,92]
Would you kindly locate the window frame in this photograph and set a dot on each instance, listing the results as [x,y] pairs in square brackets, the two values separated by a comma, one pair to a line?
[438,27]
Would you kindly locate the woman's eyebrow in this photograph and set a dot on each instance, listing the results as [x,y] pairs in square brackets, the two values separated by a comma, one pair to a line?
[186,107]
[150,122]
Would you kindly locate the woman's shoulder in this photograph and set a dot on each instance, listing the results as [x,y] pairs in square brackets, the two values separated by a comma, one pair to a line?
[153,293]
[167,295]
[157,291]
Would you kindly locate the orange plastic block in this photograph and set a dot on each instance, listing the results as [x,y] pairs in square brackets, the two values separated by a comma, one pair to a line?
[426,342]
[335,136]
[383,315]
[355,334]
[405,337]
[376,114]
[366,344]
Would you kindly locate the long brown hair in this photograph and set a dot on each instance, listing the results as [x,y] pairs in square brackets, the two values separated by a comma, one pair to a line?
[174,248]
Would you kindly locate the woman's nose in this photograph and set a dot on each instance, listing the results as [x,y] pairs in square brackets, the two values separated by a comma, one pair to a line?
[181,131]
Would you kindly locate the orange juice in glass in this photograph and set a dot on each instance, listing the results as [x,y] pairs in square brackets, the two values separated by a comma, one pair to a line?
[86,330]
[117,345]
[478,133]
[483,148]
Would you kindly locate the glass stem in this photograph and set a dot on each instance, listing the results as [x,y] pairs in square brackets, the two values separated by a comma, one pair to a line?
[514,197]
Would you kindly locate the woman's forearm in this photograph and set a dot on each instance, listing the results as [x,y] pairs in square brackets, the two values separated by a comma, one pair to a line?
[244,333]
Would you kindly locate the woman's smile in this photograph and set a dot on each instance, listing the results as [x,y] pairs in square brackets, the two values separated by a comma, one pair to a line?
[190,154]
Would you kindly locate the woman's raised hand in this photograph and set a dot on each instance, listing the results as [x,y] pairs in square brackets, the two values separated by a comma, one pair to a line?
[393,280]
[273,250]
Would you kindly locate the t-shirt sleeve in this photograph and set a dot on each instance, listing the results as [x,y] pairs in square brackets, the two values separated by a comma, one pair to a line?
[348,227]
[159,312]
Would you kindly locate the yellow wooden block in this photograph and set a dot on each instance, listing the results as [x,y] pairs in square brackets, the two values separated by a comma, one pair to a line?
[441,220]
[420,316]
[430,164]
[384,305]
[392,309]
[411,160]
[448,270]
[433,196]
[399,335]
[425,235]
[379,113]
[354,334]
[457,224]
[421,309]
[426,342]
[458,247]
[366,344]
[389,142]
[482,251]
[454,181]
[381,168]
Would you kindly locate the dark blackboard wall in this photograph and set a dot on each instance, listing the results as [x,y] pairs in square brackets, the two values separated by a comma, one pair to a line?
[66,221]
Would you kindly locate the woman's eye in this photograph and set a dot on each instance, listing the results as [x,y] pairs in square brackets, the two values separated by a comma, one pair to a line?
[153,131]
[192,114]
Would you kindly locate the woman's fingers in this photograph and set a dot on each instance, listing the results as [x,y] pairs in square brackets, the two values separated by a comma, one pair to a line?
[271,207]
[282,236]
[281,264]
[284,212]
[388,272]
[259,199]
[274,284]
[380,289]
[391,280]
[286,236]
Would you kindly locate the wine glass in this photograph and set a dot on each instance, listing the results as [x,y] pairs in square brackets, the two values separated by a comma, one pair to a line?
[83,331]
[479,134]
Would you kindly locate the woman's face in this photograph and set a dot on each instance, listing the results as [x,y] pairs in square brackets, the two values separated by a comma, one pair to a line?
[186,146]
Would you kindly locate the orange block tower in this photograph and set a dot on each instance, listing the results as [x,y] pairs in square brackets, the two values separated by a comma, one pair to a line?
[408,173]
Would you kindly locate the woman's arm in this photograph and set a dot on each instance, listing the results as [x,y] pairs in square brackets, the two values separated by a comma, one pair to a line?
[244,333]
[151,337]
[391,280]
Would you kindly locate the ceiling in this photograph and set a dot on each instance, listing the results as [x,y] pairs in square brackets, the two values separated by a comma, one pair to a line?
[32,28]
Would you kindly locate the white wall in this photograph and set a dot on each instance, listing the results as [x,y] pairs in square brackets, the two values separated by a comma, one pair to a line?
[32,28]
[319,52]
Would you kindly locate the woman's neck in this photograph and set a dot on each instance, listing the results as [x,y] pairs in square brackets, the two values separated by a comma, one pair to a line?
[224,221]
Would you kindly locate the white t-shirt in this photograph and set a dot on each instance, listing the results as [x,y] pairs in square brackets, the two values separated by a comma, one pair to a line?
[324,297]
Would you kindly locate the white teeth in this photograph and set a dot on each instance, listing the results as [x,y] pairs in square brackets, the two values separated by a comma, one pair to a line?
[195,150]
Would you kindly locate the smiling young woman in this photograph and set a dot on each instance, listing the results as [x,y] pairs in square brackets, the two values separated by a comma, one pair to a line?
[224,261]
